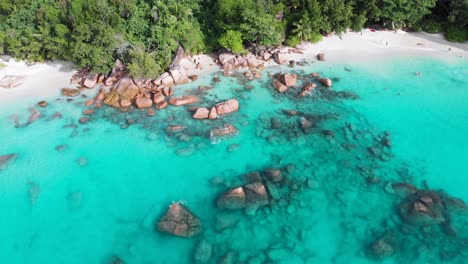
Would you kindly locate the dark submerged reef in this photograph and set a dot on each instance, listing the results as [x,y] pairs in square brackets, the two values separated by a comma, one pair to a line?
[332,159]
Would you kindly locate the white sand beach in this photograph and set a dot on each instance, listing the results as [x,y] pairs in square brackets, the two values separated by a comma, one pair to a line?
[44,80]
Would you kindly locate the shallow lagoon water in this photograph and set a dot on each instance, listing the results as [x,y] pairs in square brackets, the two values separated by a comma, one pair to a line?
[56,211]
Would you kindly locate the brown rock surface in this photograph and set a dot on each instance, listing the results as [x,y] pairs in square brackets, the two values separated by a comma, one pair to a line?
[226,130]
[232,199]
[183,100]
[70,92]
[279,86]
[124,89]
[213,115]
[179,75]
[179,221]
[143,102]
[201,113]
[229,106]
[289,79]
[280,58]
[325,81]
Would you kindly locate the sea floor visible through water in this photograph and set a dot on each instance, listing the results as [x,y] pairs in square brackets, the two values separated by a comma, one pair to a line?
[85,193]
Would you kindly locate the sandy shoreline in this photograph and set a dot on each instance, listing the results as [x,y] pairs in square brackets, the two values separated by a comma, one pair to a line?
[44,80]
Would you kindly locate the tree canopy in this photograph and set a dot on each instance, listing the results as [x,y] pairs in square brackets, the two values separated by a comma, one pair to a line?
[145,34]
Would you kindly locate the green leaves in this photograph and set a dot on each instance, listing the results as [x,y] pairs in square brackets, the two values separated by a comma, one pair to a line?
[146,33]
[232,40]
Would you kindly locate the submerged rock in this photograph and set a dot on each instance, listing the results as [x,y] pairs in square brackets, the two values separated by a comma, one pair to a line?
[422,208]
[42,104]
[274,175]
[70,92]
[232,199]
[183,100]
[34,116]
[381,249]
[226,130]
[33,192]
[6,160]
[403,189]
[179,221]
[82,161]
[256,195]
[202,252]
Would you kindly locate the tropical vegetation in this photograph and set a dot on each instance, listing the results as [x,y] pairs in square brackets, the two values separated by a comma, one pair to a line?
[145,34]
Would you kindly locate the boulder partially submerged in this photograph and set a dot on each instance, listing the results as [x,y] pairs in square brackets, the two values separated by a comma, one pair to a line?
[143,102]
[251,195]
[288,79]
[180,221]
[280,87]
[226,130]
[201,113]
[70,92]
[183,100]
[325,82]
[227,107]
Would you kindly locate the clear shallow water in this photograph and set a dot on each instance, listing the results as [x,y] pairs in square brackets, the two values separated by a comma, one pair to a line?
[56,211]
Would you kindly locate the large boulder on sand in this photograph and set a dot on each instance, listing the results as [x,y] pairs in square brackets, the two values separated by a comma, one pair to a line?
[90,81]
[5,160]
[279,86]
[143,102]
[164,79]
[124,89]
[280,58]
[201,113]
[226,58]
[229,106]
[422,208]
[118,72]
[183,100]
[253,62]
[232,199]
[70,92]
[179,221]
[289,79]
[179,75]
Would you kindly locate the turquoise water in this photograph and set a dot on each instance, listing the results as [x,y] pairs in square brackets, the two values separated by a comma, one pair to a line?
[333,203]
